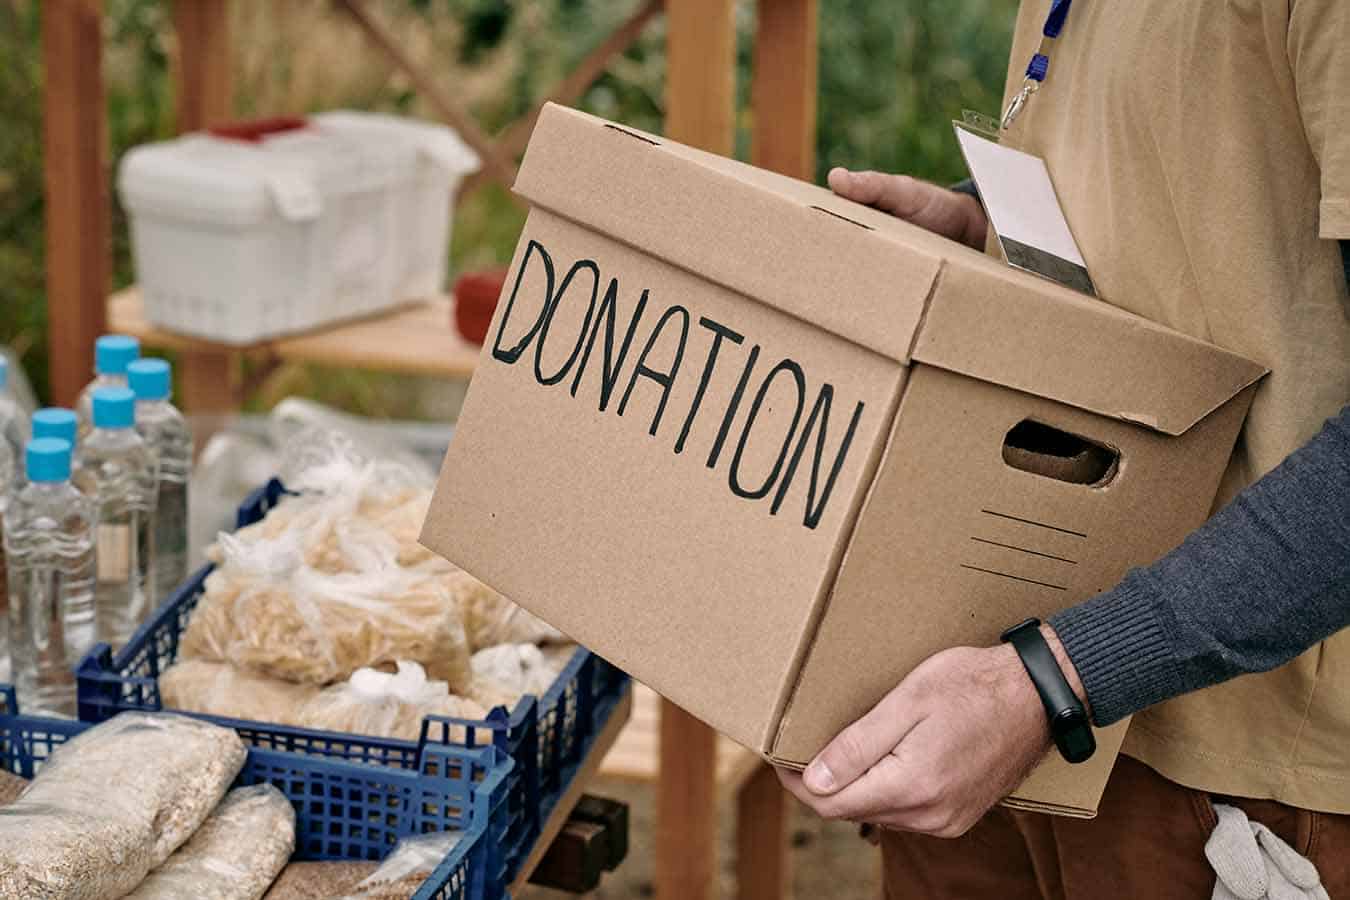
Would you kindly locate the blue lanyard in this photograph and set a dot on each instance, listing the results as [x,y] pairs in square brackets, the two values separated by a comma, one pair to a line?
[1039,66]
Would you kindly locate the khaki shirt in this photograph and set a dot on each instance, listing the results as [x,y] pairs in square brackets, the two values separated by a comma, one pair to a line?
[1201,151]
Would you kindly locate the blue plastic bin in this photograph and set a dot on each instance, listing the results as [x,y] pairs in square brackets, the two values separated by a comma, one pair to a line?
[547,737]
[344,810]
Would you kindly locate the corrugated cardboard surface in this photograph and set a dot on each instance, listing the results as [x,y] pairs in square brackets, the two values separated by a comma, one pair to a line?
[598,525]
[953,545]
[686,567]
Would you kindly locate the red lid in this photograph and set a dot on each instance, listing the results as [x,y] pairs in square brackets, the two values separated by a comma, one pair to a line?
[254,130]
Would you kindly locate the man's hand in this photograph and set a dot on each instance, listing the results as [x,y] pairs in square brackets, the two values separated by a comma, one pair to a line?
[941,211]
[959,734]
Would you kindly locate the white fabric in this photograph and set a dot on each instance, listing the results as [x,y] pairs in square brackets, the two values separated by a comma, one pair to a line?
[1251,863]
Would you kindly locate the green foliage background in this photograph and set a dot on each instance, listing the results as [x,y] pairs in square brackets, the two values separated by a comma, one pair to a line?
[892,77]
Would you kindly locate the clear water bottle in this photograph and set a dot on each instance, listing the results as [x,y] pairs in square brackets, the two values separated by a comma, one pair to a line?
[112,354]
[13,419]
[8,478]
[49,543]
[164,429]
[121,472]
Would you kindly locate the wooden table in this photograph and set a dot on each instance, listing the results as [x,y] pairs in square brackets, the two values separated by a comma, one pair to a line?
[417,338]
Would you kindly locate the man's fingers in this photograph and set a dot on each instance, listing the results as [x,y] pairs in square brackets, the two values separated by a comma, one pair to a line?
[898,195]
[861,745]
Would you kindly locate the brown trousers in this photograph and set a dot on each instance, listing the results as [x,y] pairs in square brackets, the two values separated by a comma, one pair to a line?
[1148,841]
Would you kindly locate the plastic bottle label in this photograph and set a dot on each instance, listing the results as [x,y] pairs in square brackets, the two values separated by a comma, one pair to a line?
[114,552]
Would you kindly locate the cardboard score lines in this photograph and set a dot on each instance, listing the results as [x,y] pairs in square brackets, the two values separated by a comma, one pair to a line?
[768,461]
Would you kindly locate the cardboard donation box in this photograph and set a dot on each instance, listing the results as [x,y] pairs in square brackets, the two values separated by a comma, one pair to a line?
[767,450]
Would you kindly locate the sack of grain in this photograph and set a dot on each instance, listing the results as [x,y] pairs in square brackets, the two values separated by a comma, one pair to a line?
[236,854]
[112,804]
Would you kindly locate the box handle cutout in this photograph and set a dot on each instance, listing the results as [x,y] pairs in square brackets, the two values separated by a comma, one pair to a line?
[1044,450]
[637,137]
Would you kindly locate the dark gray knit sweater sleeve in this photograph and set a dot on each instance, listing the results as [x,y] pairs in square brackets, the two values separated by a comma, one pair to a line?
[1262,581]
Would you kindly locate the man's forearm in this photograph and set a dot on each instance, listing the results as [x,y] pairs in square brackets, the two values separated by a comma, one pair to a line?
[1265,579]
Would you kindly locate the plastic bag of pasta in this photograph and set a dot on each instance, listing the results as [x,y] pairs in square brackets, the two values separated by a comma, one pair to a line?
[505,673]
[221,689]
[491,619]
[387,705]
[266,611]
[404,870]
[236,854]
[112,804]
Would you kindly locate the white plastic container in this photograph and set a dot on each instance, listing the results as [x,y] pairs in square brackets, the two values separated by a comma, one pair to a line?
[423,195]
[305,224]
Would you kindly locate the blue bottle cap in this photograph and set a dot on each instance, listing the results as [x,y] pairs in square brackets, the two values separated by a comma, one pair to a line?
[113,352]
[55,422]
[48,460]
[150,379]
[114,407]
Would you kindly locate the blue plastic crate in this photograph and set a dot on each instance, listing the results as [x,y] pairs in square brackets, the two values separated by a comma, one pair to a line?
[547,737]
[345,810]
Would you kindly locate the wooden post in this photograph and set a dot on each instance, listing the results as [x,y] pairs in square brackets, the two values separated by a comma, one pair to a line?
[783,96]
[761,838]
[700,110]
[207,379]
[783,92]
[76,185]
[204,85]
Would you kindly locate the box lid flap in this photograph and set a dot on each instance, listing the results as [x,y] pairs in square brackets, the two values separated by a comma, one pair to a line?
[991,322]
[738,226]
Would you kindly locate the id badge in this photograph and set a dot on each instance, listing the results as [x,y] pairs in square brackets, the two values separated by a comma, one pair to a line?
[1021,204]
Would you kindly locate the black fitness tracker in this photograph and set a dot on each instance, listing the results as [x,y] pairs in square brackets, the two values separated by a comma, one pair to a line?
[1069,725]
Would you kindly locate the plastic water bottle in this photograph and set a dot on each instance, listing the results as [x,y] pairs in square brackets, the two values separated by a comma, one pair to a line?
[49,543]
[47,423]
[121,471]
[7,485]
[164,429]
[112,354]
[13,419]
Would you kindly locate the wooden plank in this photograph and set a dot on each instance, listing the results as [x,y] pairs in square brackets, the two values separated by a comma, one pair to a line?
[761,838]
[76,186]
[202,64]
[446,106]
[700,111]
[416,339]
[784,88]
[562,811]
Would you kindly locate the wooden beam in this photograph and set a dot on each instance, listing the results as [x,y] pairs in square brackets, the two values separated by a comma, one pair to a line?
[449,109]
[701,73]
[76,185]
[686,808]
[700,111]
[783,91]
[204,86]
[511,142]
[208,377]
[761,838]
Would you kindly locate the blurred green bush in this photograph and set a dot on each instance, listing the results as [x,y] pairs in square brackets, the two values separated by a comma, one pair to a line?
[892,77]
